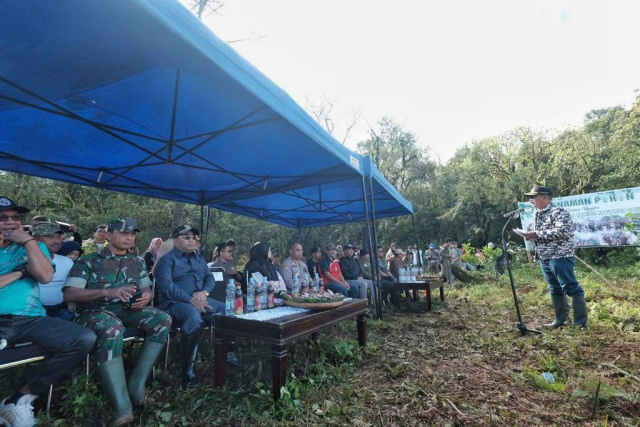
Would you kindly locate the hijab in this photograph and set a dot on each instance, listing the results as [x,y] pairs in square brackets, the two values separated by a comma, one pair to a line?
[259,262]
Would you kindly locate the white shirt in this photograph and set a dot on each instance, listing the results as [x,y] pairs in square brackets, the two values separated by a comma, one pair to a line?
[51,293]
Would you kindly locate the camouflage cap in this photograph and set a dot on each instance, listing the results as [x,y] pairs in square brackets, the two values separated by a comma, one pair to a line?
[123,225]
[45,229]
[184,229]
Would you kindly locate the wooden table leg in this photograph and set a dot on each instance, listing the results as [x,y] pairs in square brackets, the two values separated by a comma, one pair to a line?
[221,346]
[429,298]
[396,296]
[279,362]
[362,330]
[415,295]
[442,293]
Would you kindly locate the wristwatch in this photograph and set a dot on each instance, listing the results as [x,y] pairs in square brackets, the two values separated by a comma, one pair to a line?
[23,269]
[206,293]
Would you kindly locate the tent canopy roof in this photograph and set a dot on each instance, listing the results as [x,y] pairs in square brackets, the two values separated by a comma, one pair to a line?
[139,96]
[325,204]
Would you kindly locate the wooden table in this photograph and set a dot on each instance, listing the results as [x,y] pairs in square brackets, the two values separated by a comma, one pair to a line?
[280,332]
[419,285]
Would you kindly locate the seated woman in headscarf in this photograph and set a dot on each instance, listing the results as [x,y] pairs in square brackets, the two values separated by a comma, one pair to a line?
[260,262]
[152,253]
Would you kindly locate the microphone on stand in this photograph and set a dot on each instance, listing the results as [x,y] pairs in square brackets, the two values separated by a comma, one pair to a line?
[512,213]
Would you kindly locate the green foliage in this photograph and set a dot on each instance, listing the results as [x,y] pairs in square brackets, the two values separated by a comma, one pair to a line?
[470,255]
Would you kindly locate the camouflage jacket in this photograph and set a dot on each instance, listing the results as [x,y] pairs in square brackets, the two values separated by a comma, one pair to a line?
[104,270]
[554,233]
[91,247]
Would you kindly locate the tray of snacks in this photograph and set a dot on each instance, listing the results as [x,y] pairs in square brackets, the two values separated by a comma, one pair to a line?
[315,301]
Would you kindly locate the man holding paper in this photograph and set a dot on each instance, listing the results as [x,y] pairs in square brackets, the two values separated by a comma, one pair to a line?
[553,240]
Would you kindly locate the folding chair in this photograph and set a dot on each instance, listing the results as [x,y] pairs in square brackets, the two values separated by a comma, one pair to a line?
[23,354]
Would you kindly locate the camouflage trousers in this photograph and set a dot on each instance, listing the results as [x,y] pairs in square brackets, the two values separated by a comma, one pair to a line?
[109,327]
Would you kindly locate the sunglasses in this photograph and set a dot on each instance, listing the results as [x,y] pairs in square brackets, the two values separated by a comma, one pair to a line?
[17,217]
[189,237]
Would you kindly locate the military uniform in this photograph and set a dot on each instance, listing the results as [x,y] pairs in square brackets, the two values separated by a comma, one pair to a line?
[108,319]
[291,267]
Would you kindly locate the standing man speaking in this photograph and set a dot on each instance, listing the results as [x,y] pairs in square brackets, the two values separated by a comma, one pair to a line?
[553,239]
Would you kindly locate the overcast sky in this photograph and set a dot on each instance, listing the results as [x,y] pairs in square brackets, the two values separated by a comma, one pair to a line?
[451,71]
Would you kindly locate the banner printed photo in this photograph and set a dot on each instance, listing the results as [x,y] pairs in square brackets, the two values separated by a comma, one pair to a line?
[599,218]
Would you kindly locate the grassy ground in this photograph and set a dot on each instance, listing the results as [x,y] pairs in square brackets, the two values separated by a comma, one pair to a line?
[464,363]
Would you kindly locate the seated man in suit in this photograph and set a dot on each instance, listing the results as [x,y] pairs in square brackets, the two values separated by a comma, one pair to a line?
[184,283]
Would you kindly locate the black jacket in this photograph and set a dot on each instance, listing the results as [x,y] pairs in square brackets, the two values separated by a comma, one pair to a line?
[350,268]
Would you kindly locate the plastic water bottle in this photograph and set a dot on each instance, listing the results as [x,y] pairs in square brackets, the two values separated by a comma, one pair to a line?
[316,282]
[304,286]
[295,287]
[239,305]
[271,296]
[257,299]
[230,300]
[263,293]
[251,289]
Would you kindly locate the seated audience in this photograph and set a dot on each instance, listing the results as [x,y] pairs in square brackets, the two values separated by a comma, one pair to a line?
[184,283]
[386,278]
[226,261]
[66,228]
[294,266]
[151,254]
[259,262]
[112,290]
[391,252]
[275,260]
[351,271]
[98,242]
[332,274]
[23,263]
[408,259]
[313,265]
[51,295]
[71,249]
[397,263]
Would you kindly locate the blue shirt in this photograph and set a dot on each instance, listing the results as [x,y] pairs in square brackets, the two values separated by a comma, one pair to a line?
[179,275]
[22,297]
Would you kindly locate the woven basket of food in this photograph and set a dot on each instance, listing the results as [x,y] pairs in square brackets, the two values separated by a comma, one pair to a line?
[315,301]
[313,305]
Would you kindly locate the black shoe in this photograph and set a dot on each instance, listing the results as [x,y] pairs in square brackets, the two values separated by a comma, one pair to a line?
[189,354]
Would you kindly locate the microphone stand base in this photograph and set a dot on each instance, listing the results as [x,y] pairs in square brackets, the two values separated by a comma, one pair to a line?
[524,330]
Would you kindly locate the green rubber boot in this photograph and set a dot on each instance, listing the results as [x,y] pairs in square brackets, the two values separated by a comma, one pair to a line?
[115,387]
[561,308]
[146,360]
[579,310]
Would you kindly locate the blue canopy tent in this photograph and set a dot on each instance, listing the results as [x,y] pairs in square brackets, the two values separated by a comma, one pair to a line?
[325,204]
[141,97]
